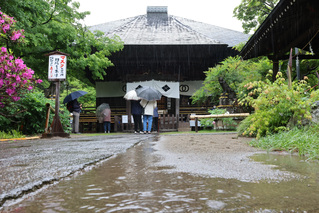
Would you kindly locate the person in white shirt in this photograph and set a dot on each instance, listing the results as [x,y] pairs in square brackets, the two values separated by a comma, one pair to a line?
[149,107]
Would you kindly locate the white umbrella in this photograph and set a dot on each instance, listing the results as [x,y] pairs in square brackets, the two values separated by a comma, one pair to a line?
[131,95]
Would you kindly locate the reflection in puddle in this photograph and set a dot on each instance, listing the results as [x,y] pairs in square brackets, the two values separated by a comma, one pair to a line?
[131,183]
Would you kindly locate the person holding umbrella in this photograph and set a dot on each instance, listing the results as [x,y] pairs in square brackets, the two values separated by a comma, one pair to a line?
[75,108]
[155,120]
[103,112]
[149,107]
[149,96]
[136,110]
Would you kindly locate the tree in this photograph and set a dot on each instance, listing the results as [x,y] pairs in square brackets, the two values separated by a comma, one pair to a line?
[55,25]
[235,72]
[253,12]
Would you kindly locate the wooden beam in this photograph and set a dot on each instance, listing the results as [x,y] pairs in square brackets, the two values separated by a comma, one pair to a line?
[220,116]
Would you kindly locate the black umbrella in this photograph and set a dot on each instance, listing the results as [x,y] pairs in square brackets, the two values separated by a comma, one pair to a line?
[73,95]
[148,93]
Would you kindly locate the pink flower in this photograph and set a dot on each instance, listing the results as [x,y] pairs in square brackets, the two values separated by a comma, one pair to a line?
[15,98]
[5,27]
[39,81]
[30,88]
[3,49]
[10,91]
[16,35]
[18,79]
[31,71]
[20,64]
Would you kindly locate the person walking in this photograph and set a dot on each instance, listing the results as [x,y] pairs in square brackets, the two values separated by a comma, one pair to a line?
[155,119]
[137,110]
[75,108]
[149,107]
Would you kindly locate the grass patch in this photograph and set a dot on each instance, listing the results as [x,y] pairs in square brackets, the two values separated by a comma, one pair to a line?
[11,134]
[304,141]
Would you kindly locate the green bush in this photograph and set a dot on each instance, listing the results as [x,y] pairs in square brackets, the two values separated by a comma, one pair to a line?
[275,106]
[28,115]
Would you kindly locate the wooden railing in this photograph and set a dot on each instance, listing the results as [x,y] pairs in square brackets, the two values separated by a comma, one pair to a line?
[89,122]
[167,122]
[234,115]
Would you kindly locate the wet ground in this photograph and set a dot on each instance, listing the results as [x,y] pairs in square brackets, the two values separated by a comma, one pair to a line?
[189,173]
[31,164]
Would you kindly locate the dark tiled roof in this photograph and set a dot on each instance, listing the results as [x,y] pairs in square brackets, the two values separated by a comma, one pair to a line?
[176,30]
[290,24]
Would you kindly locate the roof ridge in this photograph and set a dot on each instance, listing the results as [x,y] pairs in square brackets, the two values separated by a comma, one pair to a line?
[189,28]
[175,30]
[131,22]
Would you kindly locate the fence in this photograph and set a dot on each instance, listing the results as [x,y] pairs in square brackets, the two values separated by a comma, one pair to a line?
[234,115]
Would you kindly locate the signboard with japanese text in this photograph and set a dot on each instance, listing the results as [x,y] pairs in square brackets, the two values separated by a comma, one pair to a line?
[57,67]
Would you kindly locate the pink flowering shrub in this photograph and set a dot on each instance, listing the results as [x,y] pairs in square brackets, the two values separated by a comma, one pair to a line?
[7,30]
[15,77]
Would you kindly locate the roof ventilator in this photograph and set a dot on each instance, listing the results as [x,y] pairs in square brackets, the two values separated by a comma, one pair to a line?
[157,15]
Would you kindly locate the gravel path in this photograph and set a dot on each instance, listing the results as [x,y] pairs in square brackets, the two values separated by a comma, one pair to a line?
[215,155]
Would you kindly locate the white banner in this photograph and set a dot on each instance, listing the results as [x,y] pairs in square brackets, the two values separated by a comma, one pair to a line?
[167,88]
[188,88]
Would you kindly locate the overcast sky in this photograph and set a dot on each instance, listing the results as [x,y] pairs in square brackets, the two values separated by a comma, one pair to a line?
[215,12]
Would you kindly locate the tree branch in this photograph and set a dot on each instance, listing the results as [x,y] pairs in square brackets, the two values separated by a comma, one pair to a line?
[50,18]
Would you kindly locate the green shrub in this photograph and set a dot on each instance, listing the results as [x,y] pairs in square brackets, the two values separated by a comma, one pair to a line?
[11,134]
[275,106]
[28,115]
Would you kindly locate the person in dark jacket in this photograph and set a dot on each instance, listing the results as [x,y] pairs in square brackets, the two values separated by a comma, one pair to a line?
[76,107]
[137,111]
[155,120]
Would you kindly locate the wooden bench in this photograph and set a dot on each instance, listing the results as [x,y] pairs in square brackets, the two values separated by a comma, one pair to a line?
[88,122]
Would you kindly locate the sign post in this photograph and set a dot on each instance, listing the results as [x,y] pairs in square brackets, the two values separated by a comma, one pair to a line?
[56,73]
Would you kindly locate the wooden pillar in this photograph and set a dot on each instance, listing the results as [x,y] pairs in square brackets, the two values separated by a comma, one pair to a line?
[116,121]
[196,124]
[275,69]
[129,113]
[56,126]
[177,104]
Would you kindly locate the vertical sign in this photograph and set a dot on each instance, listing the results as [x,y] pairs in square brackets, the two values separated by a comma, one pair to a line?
[57,67]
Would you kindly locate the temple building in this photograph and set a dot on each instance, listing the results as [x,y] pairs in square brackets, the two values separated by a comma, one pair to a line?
[167,52]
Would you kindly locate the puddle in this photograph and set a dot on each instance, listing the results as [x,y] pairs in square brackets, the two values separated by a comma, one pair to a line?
[132,182]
